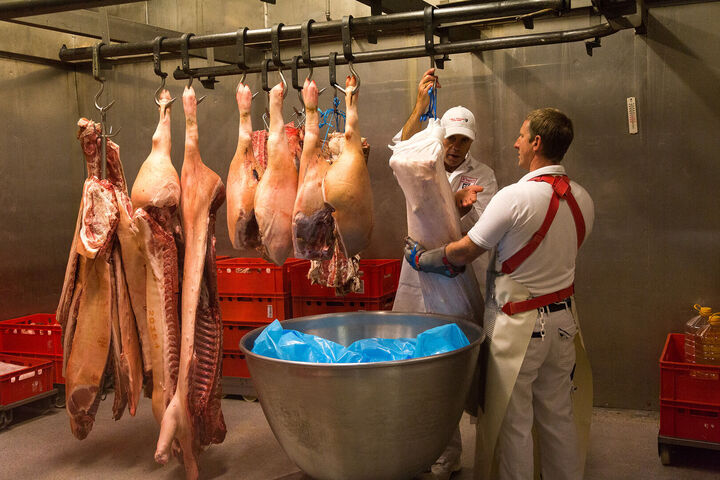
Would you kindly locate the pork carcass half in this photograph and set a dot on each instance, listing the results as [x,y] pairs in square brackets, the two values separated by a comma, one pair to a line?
[277,189]
[313,226]
[194,416]
[433,220]
[156,197]
[127,357]
[85,307]
[346,187]
[243,177]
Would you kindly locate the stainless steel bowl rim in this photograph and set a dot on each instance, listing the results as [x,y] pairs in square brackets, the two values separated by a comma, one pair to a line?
[389,363]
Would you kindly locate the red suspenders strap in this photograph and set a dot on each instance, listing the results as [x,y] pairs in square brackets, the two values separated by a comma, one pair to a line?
[511,308]
[561,189]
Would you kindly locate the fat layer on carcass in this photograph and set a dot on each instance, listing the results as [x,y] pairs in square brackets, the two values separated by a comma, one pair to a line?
[277,189]
[193,417]
[433,221]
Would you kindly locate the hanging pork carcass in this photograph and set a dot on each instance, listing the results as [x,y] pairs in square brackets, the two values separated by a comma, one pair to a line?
[277,189]
[194,417]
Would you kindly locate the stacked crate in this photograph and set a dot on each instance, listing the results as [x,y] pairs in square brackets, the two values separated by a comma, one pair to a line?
[689,401]
[378,284]
[35,336]
[252,293]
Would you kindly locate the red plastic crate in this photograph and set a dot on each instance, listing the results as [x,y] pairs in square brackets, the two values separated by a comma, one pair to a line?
[57,361]
[38,333]
[378,277]
[253,276]
[234,365]
[687,382]
[255,308]
[234,331]
[305,306]
[690,421]
[35,378]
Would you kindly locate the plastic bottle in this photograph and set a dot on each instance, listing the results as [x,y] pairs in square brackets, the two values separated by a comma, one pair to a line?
[692,329]
[708,341]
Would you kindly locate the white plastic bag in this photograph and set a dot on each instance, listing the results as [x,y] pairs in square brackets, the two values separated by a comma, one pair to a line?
[433,221]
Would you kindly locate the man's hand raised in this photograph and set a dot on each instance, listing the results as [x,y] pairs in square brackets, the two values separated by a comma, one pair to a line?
[465,197]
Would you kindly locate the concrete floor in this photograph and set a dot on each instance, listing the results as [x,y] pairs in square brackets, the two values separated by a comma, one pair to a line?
[40,446]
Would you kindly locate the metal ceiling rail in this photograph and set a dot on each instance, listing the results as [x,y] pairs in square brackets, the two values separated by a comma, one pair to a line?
[26,8]
[548,38]
[408,22]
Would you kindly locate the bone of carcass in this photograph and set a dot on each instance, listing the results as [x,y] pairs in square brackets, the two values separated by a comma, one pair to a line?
[433,221]
[160,254]
[156,197]
[346,187]
[244,174]
[194,417]
[313,225]
[277,189]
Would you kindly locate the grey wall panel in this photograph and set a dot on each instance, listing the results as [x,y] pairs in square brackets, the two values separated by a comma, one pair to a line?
[40,170]
[653,252]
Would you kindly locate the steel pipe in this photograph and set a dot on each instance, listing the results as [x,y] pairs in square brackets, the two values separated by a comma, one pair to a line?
[409,22]
[26,8]
[548,38]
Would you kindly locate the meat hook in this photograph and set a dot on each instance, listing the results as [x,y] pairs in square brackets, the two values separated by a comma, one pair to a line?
[189,85]
[242,80]
[158,71]
[333,83]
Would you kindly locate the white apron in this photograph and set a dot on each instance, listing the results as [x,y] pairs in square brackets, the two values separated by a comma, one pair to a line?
[509,336]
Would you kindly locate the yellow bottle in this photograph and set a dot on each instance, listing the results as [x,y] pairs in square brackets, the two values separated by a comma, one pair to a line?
[709,341]
[692,329]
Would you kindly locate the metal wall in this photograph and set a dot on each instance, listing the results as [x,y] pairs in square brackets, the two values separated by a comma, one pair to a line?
[654,250]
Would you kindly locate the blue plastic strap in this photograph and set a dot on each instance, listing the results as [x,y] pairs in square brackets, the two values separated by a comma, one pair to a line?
[413,257]
[432,108]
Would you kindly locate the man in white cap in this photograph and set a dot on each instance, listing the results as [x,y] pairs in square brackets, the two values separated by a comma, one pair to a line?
[474,184]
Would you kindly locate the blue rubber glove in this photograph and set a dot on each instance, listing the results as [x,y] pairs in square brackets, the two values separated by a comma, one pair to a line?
[431,261]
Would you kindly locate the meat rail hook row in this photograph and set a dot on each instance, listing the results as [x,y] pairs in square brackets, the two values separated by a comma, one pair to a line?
[103,109]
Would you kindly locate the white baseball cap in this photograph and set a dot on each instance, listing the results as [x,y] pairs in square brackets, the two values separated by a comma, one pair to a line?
[459,121]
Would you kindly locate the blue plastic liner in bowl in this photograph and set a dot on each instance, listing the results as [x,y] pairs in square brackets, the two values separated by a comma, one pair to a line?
[276,342]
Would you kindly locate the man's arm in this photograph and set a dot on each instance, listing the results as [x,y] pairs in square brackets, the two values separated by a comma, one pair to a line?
[463,251]
[449,260]
[413,124]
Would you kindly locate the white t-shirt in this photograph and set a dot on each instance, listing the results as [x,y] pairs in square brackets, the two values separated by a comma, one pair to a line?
[516,213]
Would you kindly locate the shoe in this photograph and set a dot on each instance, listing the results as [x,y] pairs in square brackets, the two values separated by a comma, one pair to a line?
[442,469]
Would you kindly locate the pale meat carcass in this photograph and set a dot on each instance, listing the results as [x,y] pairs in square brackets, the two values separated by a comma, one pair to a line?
[346,187]
[277,189]
[156,197]
[312,222]
[433,220]
[194,417]
[243,177]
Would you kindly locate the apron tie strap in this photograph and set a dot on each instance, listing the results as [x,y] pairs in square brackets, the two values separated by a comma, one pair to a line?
[511,308]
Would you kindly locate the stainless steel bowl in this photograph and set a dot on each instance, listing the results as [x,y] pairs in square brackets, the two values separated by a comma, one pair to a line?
[385,420]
